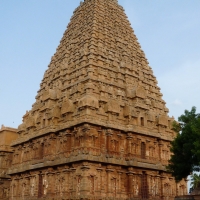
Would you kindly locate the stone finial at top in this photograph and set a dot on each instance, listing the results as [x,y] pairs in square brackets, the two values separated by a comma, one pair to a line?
[116,1]
[2,127]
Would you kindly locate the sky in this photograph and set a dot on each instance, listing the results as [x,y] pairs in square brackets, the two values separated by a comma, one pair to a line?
[167,30]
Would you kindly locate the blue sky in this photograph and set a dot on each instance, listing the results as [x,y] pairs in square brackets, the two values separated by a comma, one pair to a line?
[168,31]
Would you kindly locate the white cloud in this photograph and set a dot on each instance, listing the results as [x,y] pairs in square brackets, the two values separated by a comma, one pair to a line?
[177,102]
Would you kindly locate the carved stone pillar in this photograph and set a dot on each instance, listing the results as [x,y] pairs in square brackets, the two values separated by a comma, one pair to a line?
[72,141]
[160,150]
[73,184]
[84,186]
[44,185]
[119,189]
[69,141]
[109,186]
[103,142]
[158,189]
[147,149]
[13,189]
[109,134]
[129,139]
[67,181]
[130,183]
[22,154]
[156,150]
[17,187]
[99,186]
[173,187]
[28,183]
[51,184]
[20,187]
[149,185]
[137,185]
[162,186]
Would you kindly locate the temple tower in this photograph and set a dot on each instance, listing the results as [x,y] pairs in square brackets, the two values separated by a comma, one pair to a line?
[99,128]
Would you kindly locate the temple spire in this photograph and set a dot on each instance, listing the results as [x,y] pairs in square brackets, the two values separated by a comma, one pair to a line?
[98,65]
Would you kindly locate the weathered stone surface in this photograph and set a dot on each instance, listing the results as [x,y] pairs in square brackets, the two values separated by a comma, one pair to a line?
[99,128]
[7,135]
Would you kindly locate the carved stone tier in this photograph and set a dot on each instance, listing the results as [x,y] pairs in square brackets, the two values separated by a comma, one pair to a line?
[86,180]
[92,143]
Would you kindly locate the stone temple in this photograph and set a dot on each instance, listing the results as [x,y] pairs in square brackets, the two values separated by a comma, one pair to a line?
[99,128]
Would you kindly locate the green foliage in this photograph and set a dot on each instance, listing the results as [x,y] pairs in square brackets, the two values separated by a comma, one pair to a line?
[186,146]
[195,180]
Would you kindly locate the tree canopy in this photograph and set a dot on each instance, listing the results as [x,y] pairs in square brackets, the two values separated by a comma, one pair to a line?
[186,147]
[195,178]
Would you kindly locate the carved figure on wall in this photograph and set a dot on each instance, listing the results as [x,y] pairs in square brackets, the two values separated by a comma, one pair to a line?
[151,152]
[6,192]
[90,140]
[60,185]
[63,143]
[134,148]
[164,154]
[32,186]
[157,187]
[181,190]
[137,189]
[101,108]
[135,186]
[12,190]
[153,187]
[92,184]
[167,190]
[47,146]
[26,152]
[15,158]
[114,145]
[36,146]
[78,185]
[23,190]
[45,184]
[114,186]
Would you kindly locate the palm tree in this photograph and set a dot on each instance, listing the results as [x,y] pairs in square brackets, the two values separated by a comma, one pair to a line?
[195,178]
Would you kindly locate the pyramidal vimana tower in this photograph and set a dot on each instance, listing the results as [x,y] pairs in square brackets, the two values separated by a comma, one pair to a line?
[99,128]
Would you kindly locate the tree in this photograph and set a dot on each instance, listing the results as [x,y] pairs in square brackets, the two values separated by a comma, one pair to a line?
[186,147]
[195,178]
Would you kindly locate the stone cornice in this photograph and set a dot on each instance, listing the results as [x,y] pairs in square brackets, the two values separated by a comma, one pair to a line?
[3,128]
[139,163]
[91,120]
